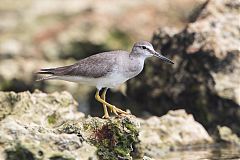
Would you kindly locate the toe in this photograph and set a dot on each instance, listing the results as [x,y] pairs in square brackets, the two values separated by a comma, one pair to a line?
[106,116]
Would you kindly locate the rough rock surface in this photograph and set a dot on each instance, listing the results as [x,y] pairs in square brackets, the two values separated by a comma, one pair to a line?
[48,126]
[226,135]
[205,77]
[174,130]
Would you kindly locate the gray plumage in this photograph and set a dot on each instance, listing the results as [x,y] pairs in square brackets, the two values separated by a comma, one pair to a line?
[95,66]
[107,69]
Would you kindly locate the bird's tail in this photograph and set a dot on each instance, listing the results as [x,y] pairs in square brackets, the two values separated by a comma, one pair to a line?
[54,72]
[46,71]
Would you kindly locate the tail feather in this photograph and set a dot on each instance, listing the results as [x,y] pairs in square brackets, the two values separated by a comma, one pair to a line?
[53,72]
[46,71]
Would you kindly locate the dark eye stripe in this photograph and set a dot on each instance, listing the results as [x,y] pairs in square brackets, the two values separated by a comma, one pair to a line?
[143,47]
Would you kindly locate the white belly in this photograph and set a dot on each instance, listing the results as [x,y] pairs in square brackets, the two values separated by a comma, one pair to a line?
[111,81]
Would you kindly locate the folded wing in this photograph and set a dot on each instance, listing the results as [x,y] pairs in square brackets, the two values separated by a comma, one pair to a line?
[95,66]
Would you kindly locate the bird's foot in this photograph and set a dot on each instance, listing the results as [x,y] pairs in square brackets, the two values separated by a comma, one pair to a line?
[118,111]
[106,116]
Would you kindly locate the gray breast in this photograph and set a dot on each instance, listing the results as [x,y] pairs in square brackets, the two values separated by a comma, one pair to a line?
[133,67]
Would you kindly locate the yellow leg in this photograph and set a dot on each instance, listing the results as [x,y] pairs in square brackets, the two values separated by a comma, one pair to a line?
[114,109]
[103,96]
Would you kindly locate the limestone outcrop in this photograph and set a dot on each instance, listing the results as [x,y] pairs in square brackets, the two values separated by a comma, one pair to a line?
[48,126]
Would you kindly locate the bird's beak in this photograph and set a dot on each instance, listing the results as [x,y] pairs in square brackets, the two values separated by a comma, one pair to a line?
[165,59]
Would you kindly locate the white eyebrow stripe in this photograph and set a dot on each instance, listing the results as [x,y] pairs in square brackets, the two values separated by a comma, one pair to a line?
[149,48]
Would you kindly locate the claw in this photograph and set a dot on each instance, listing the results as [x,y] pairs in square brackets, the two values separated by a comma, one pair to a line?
[114,109]
[106,116]
[117,110]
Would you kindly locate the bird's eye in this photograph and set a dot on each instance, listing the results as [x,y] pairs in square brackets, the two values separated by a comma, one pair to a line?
[143,47]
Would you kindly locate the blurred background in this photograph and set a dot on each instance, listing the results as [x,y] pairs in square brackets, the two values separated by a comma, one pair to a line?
[205,79]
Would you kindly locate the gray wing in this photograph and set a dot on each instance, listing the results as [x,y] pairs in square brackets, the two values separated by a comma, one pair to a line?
[93,67]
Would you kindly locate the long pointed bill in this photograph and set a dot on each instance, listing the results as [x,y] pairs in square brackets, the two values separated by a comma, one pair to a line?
[165,59]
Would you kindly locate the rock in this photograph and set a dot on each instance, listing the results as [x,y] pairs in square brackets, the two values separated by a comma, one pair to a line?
[205,76]
[114,138]
[52,109]
[48,126]
[175,129]
[147,158]
[28,123]
[226,135]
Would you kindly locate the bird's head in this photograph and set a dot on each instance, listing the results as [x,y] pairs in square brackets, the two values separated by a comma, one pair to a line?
[145,49]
